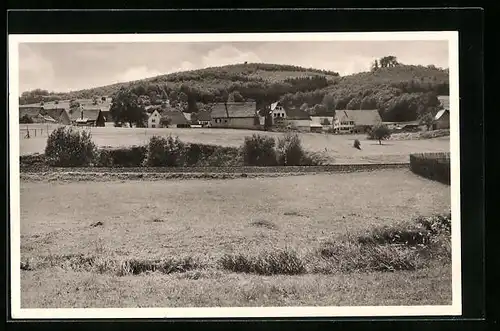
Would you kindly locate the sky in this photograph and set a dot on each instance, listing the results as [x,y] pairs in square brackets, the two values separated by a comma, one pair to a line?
[63,67]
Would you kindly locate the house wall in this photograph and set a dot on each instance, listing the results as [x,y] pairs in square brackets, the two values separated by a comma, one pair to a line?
[443,122]
[235,122]
[299,123]
[154,120]
[278,114]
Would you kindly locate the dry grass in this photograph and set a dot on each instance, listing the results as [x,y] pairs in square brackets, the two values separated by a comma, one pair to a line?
[337,147]
[204,221]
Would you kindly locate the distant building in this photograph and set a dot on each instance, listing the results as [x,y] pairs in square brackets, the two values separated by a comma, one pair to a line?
[87,117]
[356,120]
[297,118]
[442,118]
[204,118]
[278,113]
[325,121]
[44,114]
[177,118]
[154,119]
[236,115]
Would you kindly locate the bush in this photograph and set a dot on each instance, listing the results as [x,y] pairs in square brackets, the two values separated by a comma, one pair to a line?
[67,147]
[259,151]
[25,119]
[434,166]
[290,150]
[284,262]
[165,152]
[122,157]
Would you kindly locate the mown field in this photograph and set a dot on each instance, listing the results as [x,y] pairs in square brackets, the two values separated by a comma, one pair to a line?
[338,147]
[205,219]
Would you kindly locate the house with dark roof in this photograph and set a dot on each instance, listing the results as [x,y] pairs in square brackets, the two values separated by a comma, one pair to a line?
[356,120]
[203,118]
[44,113]
[298,118]
[442,118]
[236,115]
[176,118]
[87,117]
[278,113]
[59,115]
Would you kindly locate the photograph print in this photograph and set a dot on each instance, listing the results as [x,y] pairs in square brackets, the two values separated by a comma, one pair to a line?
[234,175]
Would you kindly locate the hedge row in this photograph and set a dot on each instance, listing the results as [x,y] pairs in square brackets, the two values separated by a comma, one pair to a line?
[434,166]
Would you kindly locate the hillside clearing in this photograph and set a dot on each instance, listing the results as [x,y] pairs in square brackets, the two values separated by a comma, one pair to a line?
[206,219]
[338,147]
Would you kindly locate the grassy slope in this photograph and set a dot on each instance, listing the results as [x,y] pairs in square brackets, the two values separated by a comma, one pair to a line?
[339,148]
[205,219]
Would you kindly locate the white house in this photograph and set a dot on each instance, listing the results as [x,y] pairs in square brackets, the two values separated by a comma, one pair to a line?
[154,119]
[278,113]
[355,120]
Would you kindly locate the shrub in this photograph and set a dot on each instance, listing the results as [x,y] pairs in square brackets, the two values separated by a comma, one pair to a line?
[32,160]
[434,166]
[284,262]
[379,132]
[290,151]
[259,151]
[222,157]
[122,157]
[67,147]
[165,152]
[25,119]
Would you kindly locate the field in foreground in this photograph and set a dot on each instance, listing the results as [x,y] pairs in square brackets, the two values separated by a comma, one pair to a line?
[338,147]
[206,219]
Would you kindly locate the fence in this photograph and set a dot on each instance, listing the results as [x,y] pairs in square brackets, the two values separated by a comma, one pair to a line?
[434,166]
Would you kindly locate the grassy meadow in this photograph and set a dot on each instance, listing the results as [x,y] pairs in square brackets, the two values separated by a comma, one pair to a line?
[338,147]
[198,222]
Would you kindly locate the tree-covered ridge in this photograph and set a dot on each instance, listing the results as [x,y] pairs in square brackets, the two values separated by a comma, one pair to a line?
[400,92]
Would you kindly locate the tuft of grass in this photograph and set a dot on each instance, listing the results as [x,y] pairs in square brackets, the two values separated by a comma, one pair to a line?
[265,224]
[285,262]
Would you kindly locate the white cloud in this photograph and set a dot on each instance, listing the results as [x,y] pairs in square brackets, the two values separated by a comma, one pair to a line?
[228,54]
[136,73]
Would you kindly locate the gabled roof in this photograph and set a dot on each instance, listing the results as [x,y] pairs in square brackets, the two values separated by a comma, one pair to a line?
[55,113]
[235,109]
[444,100]
[297,114]
[187,116]
[275,104]
[176,117]
[29,111]
[441,113]
[359,116]
[204,116]
[90,114]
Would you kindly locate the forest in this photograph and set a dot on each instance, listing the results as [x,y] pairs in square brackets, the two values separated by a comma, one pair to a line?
[401,92]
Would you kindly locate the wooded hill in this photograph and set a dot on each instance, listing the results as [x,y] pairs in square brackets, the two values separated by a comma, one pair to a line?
[401,93]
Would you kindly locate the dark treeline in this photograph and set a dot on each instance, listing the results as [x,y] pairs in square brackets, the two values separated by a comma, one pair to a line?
[400,92]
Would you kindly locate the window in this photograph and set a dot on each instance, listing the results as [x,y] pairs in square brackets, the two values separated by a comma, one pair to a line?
[153,126]
[153,120]
[275,114]
[225,121]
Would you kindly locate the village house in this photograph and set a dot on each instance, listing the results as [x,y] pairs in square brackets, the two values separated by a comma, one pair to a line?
[355,120]
[442,118]
[278,113]
[298,119]
[87,117]
[204,118]
[236,115]
[154,119]
[175,118]
[39,113]
[322,122]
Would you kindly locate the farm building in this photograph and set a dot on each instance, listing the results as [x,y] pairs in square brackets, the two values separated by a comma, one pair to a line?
[87,117]
[236,115]
[177,118]
[203,118]
[355,120]
[298,118]
[442,118]
[278,113]
[39,114]
[154,119]
[325,121]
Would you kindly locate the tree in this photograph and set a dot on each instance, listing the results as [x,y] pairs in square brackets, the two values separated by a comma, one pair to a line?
[375,66]
[389,61]
[235,96]
[329,102]
[183,97]
[379,132]
[165,122]
[25,119]
[427,119]
[126,109]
